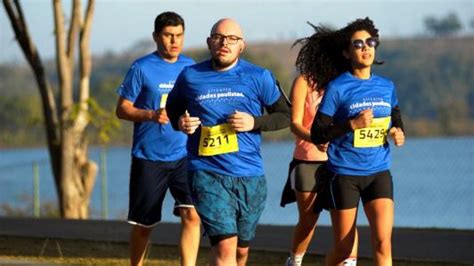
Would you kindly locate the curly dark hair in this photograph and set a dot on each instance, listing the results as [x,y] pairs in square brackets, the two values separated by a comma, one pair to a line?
[320,59]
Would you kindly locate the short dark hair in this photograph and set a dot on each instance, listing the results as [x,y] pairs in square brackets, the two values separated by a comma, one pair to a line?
[168,18]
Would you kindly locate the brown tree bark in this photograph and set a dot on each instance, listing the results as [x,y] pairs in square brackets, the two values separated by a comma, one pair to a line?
[73,172]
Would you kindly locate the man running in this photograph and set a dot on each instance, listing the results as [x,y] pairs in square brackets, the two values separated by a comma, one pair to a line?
[219,103]
[159,155]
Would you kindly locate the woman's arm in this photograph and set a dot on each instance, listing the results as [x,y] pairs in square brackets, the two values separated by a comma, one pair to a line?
[299,90]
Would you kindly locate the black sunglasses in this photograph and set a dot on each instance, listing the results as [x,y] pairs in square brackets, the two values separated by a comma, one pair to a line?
[371,42]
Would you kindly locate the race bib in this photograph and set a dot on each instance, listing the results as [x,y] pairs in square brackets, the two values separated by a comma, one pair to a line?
[164,97]
[218,139]
[374,135]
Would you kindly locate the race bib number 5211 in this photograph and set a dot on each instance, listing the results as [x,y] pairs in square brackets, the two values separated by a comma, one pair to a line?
[219,139]
[374,135]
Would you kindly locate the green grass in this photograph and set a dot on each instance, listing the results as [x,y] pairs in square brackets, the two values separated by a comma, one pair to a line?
[19,250]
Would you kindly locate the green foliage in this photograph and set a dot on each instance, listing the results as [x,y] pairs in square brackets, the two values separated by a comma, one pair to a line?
[448,25]
[21,120]
[434,80]
[269,60]
[105,97]
[104,121]
[198,55]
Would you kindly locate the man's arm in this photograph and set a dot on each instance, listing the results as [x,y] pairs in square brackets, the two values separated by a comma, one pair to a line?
[125,110]
[179,116]
[175,104]
[278,116]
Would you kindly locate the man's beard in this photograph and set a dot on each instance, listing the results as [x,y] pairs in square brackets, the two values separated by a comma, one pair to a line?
[220,64]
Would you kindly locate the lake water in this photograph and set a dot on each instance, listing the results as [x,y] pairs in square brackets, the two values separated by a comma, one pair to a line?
[433,179]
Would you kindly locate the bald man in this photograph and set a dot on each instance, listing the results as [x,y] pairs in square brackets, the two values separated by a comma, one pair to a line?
[219,103]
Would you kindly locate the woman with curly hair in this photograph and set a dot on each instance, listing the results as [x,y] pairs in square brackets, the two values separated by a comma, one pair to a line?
[303,183]
[358,111]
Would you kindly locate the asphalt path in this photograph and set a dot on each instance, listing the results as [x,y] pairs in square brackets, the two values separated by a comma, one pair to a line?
[440,245]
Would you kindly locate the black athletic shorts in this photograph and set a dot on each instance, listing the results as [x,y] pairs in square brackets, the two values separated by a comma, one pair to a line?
[149,182]
[345,190]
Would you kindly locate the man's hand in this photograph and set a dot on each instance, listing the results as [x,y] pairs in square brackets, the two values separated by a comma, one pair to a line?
[160,116]
[188,124]
[241,121]
[363,119]
[397,135]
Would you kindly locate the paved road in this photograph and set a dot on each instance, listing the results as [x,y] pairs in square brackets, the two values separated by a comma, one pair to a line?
[416,244]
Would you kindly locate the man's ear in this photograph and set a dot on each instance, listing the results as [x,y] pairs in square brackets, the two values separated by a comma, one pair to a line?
[154,36]
[242,47]
[208,41]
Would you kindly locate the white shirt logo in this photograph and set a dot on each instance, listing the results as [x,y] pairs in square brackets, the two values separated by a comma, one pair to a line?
[168,85]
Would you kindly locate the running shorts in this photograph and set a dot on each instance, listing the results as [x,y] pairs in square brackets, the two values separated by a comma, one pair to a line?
[228,205]
[149,182]
[345,190]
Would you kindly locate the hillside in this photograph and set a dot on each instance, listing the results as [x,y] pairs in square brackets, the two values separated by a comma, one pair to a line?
[434,79]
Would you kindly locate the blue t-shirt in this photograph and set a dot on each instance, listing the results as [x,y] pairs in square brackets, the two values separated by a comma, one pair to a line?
[213,96]
[147,84]
[344,98]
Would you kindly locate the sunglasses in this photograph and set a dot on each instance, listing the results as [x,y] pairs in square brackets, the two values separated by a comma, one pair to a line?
[371,42]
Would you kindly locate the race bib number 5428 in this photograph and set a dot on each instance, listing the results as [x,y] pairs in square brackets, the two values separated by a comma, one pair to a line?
[374,135]
[219,139]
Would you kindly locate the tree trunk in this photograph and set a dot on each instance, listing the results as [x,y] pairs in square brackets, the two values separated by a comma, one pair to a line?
[78,178]
[77,172]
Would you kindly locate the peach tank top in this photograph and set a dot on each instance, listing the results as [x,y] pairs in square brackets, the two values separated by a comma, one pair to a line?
[305,150]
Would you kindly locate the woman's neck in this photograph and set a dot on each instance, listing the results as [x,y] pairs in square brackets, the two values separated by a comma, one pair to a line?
[361,73]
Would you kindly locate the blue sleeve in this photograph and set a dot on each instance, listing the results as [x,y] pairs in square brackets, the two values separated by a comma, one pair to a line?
[132,84]
[269,92]
[330,102]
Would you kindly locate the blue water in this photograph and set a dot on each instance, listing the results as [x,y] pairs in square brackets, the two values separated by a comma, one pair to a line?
[433,179]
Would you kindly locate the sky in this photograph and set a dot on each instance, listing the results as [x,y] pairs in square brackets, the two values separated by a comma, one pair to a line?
[119,24]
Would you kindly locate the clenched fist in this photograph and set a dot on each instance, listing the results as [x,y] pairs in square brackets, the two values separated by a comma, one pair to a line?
[397,135]
[188,124]
[241,121]
[160,116]
[362,120]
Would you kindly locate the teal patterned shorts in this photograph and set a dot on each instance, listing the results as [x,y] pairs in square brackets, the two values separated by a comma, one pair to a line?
[228,205]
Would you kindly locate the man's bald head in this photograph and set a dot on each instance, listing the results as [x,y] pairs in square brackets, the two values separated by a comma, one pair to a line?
[225,43]
[227,26]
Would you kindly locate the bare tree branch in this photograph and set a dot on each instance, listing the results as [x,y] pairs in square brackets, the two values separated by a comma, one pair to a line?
[64,73]
[86,28]
[85,65]
[72,33]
